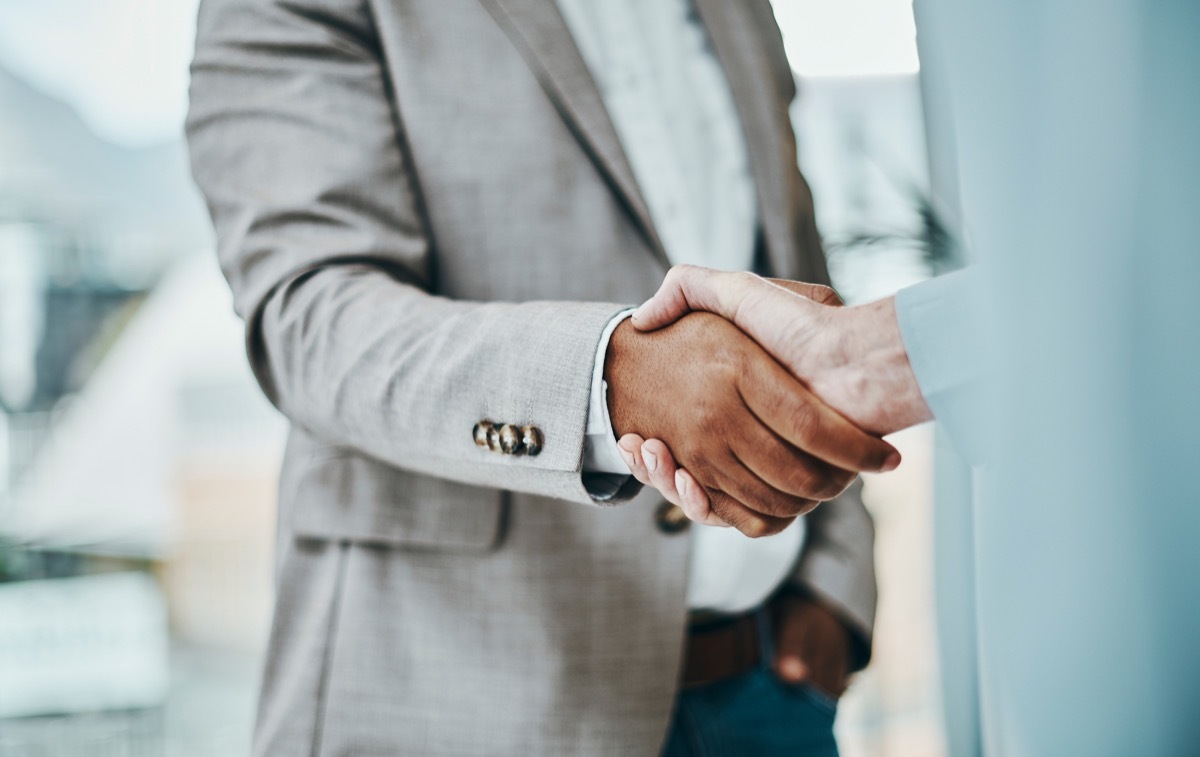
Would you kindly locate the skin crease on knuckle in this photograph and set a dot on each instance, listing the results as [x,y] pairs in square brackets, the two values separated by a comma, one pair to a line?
[728,509]
[767,498]
[804,424]
[770,512]
[826,296]
[788,469]
[820,483]
[786,508]
[749,524]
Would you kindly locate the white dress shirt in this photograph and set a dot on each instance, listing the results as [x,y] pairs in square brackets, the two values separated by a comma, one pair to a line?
[673,111]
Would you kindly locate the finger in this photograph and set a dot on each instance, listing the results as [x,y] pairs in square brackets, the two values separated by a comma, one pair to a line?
[793,412]
[694,500]
[667,305]
[661,465]
[786,468]
[688,288]
[630,446]
[742,484]
[815,292]
[750,522]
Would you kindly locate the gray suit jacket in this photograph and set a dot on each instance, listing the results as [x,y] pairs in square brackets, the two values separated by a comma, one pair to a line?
[426,219]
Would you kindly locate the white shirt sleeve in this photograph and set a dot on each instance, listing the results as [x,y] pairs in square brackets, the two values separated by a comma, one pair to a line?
[600,452]
[947,339]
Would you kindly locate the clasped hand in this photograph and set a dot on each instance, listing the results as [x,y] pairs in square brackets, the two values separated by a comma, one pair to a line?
[752,413]
[734,437]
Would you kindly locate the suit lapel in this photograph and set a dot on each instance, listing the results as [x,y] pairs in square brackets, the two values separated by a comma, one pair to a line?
[742,52]
[539,32]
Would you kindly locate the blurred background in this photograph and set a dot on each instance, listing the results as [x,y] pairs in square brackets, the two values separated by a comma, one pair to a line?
[138,458]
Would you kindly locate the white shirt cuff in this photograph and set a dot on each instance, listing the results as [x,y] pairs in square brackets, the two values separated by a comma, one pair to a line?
[600,451]
[947,339]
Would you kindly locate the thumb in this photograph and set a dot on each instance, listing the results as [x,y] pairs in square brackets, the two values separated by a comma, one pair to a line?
[686,288]
[818,293]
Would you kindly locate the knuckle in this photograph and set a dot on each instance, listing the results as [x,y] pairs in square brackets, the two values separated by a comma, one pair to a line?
[803,419]
[727,357]
[809,507]
[790,507]
[700,470]
[663,481]
[826,486]
[801,480]
[708,413]
[760,526]
[719,507]
[837,484]
[754,527]
[828,296]
[745,279]
[678,272]
[778,506]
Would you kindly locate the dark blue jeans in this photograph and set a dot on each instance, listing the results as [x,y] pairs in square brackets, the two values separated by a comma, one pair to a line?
[753,714]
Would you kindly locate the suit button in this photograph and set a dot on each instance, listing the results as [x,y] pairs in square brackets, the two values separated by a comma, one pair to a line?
[510,439]
[493,437]
[671,519]
[531,440]
[480,433]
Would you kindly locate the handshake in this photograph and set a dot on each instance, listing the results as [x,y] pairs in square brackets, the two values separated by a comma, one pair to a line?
[748,401]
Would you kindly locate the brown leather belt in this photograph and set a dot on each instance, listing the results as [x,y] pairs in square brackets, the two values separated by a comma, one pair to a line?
[716,651]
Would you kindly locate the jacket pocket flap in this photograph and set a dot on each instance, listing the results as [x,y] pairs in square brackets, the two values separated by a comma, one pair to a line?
[348,497]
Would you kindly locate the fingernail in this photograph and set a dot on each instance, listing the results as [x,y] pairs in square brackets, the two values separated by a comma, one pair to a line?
[681,484]
[892,462]
[626,456]
[651,461]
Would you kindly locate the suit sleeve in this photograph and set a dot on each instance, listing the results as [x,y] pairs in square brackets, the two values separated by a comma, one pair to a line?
[300,154]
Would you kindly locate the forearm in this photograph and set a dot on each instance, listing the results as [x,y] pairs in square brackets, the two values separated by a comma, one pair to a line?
[364,361]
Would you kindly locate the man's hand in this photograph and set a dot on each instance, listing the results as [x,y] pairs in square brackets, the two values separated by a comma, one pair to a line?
[811,646]
[759,447]
[852,358]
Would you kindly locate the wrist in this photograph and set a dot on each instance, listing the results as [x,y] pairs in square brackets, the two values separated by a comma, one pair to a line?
[866,373]
[887,363]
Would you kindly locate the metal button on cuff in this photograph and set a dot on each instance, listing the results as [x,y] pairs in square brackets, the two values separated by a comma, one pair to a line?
[508,438]
[531,440]
[480,433]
